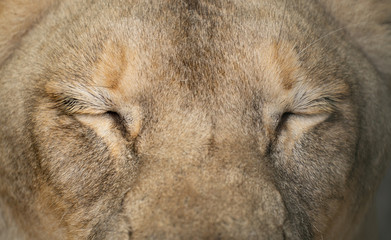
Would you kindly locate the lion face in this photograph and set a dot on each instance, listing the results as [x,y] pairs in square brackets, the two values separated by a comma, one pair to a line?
[189,119]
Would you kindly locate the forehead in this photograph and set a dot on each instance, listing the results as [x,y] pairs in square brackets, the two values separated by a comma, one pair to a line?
[204,49]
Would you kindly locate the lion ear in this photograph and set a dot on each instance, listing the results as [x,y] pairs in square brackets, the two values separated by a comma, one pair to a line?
[16,18]
[368,22]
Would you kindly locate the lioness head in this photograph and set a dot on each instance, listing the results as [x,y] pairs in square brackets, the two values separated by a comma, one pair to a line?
[192,119]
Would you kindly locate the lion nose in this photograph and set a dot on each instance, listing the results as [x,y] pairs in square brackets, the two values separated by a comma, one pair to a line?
[216,206]
[202,179]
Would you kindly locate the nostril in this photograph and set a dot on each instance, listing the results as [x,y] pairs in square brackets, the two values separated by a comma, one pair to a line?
[219,236]
[130,233]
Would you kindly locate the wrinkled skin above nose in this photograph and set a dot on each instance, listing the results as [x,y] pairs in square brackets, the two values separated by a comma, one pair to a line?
[195,183]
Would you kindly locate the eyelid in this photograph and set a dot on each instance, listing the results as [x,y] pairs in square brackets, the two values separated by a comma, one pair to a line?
[77,98]
[117,117]
[307,117]
[72,105]
[323,105]
[310,121]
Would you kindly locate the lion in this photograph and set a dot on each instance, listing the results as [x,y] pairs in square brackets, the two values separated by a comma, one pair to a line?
[193,119]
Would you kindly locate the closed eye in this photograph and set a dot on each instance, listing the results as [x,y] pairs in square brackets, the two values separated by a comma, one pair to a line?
[115,116]
[282,123]
[292,125]
[283,120]
[300,122]
[120,122]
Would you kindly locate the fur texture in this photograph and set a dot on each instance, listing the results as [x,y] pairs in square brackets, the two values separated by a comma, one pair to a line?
[192,119]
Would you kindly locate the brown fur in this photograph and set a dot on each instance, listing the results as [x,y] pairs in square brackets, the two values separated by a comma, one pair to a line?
[192,119]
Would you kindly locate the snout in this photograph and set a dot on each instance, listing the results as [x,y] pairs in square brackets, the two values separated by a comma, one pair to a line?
[202,177]
[199,203]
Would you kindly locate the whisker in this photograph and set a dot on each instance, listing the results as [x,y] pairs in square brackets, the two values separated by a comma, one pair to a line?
[326,35]
[319,39]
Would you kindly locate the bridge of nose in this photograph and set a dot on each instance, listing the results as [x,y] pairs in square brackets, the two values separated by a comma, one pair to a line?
[197,175]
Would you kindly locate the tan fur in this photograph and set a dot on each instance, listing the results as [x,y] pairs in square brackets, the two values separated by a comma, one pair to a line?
[16,18]
[180,119]
[368,25]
